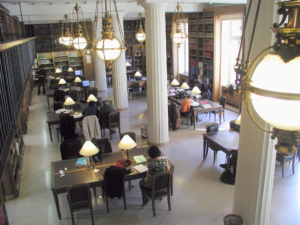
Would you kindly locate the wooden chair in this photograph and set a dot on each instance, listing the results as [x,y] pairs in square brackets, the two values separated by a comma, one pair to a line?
[113,185]
[144,88]
[135,88]
[74,95]
[109,102]
[185,118]
[69,149]
[114,122]
[222,102]
[284,158]
[213,127]
[130,134]
[79,198]
[161,187]
[92,90]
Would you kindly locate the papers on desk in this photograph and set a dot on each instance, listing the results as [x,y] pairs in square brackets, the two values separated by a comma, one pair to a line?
[62,111]
[82,162]
[206,106]
[141,168]
[77,115]
[195,104]
[139,158]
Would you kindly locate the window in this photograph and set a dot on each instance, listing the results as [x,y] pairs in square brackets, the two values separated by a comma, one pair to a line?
[183,53]
[230,42]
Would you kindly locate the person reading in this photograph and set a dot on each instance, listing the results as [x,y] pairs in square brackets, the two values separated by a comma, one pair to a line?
[91,109]
[156,164]
[185,109]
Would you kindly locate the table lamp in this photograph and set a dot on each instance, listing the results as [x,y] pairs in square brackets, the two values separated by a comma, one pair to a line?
[238,120]
[70,69]
[137,74]
[175,83]
[127,64]
[89,149]
[126,143]
[69,101]
[62,81]
[92,98]
[77,80]
[185,86]
[57,70]
[195,91]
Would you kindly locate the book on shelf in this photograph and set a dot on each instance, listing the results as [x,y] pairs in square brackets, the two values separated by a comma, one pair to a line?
[82,162]
[139,158]
[141,168]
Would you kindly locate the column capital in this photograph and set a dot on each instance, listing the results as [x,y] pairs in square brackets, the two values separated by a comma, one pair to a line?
[154,3]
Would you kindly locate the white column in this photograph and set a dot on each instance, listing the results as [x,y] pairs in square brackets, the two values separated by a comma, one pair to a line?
[157,99]
[256,156]
[119,70]
[100,71]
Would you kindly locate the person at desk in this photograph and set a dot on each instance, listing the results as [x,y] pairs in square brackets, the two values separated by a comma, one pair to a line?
[91,109]
[185,109]
[41,75]
[156,164]
[104,111]
[203,87]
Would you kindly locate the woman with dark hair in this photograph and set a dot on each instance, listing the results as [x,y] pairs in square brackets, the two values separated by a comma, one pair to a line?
[91,109]
[156,164]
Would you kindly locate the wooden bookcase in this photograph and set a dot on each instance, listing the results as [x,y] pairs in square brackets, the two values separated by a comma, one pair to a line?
[169,45]
[201,47]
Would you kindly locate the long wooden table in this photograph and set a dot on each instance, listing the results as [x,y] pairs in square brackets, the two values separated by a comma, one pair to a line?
[225,140]
[199,109]
[80,175]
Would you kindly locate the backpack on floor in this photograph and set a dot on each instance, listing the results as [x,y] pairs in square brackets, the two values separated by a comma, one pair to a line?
[227,177]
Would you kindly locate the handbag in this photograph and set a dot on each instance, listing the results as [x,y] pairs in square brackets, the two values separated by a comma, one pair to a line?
[227,177]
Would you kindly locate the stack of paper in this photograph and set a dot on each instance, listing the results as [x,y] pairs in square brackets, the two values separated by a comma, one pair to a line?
[141,168]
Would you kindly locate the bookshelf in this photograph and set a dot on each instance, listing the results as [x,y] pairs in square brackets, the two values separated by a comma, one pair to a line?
[201,47]
[169,45]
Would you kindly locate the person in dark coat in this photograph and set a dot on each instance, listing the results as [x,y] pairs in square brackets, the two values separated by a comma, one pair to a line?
[91,109]
[104,111]
[174,116]
[41,75]
[203,87]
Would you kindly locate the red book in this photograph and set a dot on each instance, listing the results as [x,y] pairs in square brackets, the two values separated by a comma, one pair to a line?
[124,163]
[203,103]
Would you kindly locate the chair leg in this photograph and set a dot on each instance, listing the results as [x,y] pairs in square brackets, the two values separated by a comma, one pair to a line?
[169,202]
[293,166]
[124,199]
[215,117]
[95,193]
[282,165]
[153,207]
[106,200]
[92,216]
[110,133]
[215,154]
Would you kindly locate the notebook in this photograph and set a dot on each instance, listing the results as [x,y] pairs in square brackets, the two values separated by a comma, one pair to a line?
[82,162]
[139,158]
[141,168]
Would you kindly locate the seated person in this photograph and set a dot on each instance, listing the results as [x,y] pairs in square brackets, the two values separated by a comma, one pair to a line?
[156,164]
[91,109]
[203,87]
[185,109]
[104,111]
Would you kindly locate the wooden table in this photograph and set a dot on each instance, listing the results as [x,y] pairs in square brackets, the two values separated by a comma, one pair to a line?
[80,175]
[199,109]
[226,140]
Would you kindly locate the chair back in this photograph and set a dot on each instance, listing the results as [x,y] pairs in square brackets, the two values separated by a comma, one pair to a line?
[130,134]
[59,95]
[54,86]
[114,119]
[162,181]
[69,149]
[213,127]
[103,144]
[109,102]
[79,197]
[114,182]
[223,101]
[93,91]
[74,95]
[91,128]
[67,126]
[58,105]
[204,95]
[135,86]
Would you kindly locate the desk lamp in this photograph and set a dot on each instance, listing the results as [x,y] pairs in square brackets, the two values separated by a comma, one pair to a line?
[57,70]
[175,83]
[92,98]
[126,143]
[62,81]
[238,120]
[77,81]
[69,101]
[185,86]
[195,91]
[89,149]
[127,64]
[138,75]
[70,69]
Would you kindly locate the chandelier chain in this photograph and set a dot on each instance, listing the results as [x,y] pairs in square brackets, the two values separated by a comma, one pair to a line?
[119,25]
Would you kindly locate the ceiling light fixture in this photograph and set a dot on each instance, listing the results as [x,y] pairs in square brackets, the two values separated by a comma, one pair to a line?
[140,34]
[79,42]
[178,36]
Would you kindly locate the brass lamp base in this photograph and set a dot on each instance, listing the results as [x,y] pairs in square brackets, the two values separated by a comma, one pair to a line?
[90,167]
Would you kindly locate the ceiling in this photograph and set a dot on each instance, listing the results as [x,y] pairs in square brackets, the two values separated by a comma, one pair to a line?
[45,11]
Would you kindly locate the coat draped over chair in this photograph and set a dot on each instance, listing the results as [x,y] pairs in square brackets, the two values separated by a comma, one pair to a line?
[91,128]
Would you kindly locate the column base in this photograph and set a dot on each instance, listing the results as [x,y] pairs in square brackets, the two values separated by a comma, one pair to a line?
[158,144]
[124,109]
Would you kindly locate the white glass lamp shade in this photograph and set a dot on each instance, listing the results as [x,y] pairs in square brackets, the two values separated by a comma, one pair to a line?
[126,143]
[108,49]
[77,80]
[62,81]
[70,69]
[238,120]
[276,75]
[127,64]
[79,43]
[185,86]
[61,40]
[196,90]
[57,70]
[140,36]
[179,37]
[137,74]
[69,101]
[175,82]
[92,98]
[88,149]
[67,41]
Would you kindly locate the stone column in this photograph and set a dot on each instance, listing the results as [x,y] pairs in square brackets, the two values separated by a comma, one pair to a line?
[255,168]
[100,71]
[157,99]
[119,70]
